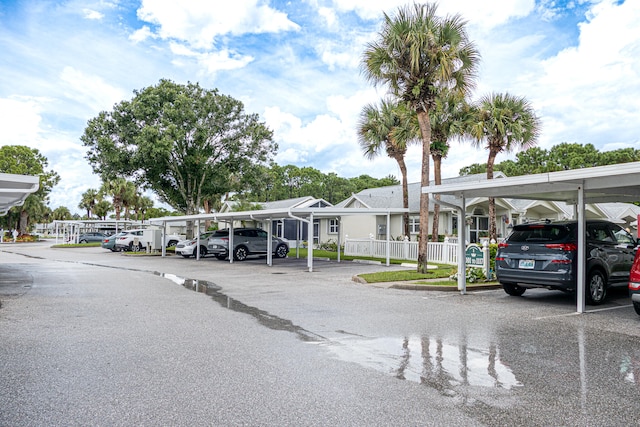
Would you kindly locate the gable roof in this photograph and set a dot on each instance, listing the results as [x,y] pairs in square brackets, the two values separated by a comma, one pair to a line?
[391,196]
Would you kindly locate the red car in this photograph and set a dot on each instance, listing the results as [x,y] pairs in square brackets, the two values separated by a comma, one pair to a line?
[634,283]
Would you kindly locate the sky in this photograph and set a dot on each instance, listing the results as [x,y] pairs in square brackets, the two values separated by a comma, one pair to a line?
[297,64]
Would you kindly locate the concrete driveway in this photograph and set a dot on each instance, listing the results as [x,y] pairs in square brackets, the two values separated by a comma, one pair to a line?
[91,337]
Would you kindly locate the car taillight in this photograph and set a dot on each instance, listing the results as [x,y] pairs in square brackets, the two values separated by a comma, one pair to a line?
[569,247]
[634,286]
[561,261]
[499,258]
[226,239]
[503,245]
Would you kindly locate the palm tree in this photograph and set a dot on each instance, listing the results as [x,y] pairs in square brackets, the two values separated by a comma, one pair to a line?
[143,204]
[418,54]
[118,189]
[503,123]
[61,213]
[88,201]
[448,119]
[102,208]
[129,198]
[390,127]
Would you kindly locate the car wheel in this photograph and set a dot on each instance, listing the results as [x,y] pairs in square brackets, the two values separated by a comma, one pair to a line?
[203,251]
[171,243]
[596,288]
[240,253]
[281,251]
[221,256]
[513,289]
[83,241]
[636,307]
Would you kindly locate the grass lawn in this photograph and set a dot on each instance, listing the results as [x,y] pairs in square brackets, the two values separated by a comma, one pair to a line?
[442,272]
[77,245]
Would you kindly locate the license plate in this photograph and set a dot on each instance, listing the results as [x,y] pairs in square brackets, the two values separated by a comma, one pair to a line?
[528,264]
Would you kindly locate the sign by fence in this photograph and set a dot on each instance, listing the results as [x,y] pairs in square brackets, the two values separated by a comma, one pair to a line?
[474,256]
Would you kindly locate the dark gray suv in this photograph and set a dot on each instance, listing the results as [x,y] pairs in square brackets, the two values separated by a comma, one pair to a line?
[246,241]
[544,255]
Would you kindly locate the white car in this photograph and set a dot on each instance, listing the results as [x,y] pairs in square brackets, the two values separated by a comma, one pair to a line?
[187,248]
[134,240]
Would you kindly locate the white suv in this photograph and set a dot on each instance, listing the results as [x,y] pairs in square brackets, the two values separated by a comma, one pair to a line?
[134,241]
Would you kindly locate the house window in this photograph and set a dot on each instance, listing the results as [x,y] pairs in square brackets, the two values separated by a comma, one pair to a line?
[333,226]
[478,227]
[414,225]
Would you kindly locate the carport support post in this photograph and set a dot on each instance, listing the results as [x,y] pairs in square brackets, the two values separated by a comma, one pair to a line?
[164,238]
[339,231]
[310,244]
[580,280]
[462,239]
[270,242]
[388,248]
[197,240]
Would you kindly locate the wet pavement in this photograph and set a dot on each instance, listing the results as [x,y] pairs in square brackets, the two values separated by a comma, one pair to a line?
[91,337]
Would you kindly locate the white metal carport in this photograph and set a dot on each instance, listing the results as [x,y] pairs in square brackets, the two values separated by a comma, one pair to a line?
[614,183]
[14,189]
[307,215]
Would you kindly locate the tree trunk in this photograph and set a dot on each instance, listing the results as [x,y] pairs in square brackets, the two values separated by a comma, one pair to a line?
[23,222]
[437,175]
[425,130]
[207,209]
[405,194]
[492,201]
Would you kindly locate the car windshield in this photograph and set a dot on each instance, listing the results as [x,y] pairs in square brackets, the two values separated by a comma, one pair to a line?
[539,233]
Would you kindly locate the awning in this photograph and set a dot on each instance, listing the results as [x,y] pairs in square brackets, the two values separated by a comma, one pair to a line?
[614,183]
[14,189]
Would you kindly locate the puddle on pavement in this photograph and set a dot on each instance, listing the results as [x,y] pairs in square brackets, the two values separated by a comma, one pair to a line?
[427,361]
[263,317]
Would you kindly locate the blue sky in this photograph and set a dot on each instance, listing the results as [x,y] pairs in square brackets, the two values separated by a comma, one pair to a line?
[297,65]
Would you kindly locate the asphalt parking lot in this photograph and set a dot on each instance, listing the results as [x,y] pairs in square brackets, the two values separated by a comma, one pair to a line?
[94,337]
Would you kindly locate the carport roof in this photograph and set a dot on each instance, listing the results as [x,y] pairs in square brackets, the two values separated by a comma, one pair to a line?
[14,189]
[614,183]
[277,214]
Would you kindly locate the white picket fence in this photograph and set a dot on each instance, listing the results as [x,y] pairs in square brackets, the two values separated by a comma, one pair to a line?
[439,252]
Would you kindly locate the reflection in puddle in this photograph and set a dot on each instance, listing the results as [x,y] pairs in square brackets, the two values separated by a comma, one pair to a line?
[428,361]
[266,319]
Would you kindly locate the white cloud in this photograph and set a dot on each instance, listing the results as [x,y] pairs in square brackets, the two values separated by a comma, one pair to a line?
[20,120]
[486,13]
[594,83]
[212,62]
[92,14]
[141,34]
[90,90]
[199,23]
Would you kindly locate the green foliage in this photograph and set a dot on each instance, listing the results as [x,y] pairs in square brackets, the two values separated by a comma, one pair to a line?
[287,182]
[185,143]
[472,275]
[330,245]
[564,156]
